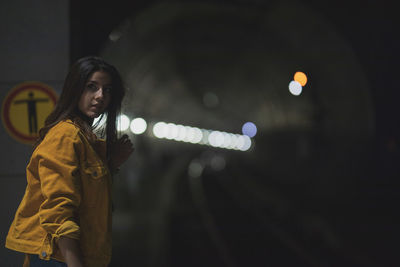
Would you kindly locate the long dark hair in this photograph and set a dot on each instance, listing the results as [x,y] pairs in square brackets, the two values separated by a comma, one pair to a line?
[67,104]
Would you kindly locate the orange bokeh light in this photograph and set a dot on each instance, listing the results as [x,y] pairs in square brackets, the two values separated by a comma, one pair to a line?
[300,77]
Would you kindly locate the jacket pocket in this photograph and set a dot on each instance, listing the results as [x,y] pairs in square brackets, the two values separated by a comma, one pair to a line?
[94,180]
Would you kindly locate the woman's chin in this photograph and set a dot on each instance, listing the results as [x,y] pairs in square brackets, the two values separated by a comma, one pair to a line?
[93,115]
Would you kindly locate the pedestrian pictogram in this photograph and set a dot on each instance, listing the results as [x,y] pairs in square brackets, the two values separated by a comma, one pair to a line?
[25,109]
[32,114]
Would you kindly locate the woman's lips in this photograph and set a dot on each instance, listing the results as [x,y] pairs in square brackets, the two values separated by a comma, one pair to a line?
[96,107]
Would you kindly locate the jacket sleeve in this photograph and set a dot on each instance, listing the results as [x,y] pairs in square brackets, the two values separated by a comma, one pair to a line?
[58,169]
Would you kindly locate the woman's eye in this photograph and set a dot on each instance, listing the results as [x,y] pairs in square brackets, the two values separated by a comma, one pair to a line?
[92,86]
[107,90]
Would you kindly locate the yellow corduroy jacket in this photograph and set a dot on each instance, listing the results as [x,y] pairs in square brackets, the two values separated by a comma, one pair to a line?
[68,194]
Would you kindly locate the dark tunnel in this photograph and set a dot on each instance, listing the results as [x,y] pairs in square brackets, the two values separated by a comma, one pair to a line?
[315,185]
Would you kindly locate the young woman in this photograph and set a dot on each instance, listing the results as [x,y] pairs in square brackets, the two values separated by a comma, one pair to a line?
[64,218]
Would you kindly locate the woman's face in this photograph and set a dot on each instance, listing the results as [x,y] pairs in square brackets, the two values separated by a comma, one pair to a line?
[97,94]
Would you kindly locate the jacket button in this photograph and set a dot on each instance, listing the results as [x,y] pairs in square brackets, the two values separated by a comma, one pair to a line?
[94,173]
[44,254]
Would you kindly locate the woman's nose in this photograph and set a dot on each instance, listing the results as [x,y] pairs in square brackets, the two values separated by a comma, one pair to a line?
[99,94]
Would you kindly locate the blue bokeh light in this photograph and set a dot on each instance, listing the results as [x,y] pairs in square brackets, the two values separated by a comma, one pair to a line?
[249,129]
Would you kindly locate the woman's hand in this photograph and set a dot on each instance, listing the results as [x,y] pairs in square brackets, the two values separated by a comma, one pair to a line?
[120,152]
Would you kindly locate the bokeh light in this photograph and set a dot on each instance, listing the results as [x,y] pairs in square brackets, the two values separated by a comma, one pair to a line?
[159,129]
[171,131]
[295,88]
[138,126]
[195,169]
[218,163]
[210,100]
[199,136]
[249,129]
[246,143]
[300,77]
[123,123]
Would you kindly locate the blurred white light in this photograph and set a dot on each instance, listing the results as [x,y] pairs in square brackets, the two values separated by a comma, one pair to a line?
[214,137]
[196,135]
[227,140]
[217,163]
[249,129]
[181,133]
[190,132]
[240,142]
[159,129]
[172,131]
[123,123]
[115,35]
[210,100]
[233,141]
[220,139]
[195,169]
[295,88]
[138,126]
[247,143]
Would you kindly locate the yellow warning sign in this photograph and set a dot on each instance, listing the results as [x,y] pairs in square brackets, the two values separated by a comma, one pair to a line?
[25,109]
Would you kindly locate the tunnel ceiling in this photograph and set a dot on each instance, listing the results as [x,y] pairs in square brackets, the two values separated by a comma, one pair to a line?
[171,55]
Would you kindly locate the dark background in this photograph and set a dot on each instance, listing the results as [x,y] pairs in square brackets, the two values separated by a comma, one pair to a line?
[370,27]
[367,220]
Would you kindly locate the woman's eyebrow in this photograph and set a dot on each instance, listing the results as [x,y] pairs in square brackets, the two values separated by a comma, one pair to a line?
[93,81]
